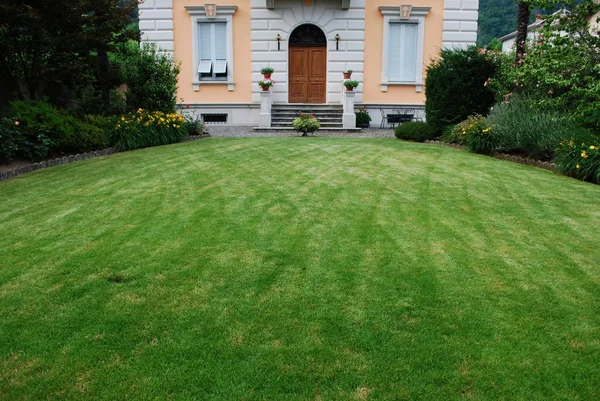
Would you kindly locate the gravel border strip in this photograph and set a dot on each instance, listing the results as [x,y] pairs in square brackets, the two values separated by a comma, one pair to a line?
[503,156]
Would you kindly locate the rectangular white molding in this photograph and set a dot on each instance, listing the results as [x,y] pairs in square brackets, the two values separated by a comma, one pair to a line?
[460,23]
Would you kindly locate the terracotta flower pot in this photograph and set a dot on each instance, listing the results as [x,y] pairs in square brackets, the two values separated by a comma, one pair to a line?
[349,89]
[267,75]
[347,75]
[265,88]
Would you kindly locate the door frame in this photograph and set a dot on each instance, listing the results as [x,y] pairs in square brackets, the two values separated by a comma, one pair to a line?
[325,46]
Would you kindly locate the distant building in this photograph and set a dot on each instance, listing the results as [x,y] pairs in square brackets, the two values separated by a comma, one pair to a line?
[533,30]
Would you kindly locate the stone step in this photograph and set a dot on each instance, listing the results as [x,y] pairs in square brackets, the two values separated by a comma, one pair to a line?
[287,129]
[323,125]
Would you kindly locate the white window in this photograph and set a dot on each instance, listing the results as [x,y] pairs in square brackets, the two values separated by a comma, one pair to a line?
[212,46]
[212,39]
[402,54]
[403,47]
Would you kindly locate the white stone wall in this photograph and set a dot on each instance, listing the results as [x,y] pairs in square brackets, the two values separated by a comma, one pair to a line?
[460,23]
[329,16]
[156,23]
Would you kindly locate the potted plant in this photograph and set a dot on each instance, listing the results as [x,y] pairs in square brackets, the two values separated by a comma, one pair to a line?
[306,123]
[363,118]
[350,85]
[267,71]
[266,84]
[347,74]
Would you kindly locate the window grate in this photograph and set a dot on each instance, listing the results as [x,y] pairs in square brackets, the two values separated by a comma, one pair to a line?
[214,118]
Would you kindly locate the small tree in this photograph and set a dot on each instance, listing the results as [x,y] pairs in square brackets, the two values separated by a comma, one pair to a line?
[151,77]
[456,86]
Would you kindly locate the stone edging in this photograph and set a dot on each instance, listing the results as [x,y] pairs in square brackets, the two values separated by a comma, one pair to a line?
[503,156]
[70,159]
[54,162]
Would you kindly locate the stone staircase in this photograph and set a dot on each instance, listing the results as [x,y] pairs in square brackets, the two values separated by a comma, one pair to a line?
[329,115]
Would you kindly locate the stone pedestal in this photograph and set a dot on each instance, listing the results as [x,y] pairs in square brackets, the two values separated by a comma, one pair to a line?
[266,101]
[349,118]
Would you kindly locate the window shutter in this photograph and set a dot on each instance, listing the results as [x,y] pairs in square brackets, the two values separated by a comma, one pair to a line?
[402,58]
[394,61]
[409,50]
[220,42]
[205,33]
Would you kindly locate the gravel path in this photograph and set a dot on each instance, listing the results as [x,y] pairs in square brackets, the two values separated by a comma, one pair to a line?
[228,131]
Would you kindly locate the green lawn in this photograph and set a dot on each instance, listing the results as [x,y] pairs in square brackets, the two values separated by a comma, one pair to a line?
[299,269]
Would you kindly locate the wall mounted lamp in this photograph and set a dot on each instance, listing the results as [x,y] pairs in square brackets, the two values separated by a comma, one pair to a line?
[278,42]
[337,41]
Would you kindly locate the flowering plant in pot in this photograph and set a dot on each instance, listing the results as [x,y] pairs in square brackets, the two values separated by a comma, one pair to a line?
[350,85]
[306,123]
[266,84]
[347,74]
[267,71]
[363,118]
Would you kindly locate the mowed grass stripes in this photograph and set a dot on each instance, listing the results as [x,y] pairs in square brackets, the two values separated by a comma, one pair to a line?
[299,269]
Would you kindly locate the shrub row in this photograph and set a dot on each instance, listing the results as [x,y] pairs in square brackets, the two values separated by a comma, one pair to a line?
[415,131]
[36,130]
[143,129]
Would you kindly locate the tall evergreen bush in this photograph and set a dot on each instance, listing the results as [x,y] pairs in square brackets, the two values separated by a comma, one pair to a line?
[456,86]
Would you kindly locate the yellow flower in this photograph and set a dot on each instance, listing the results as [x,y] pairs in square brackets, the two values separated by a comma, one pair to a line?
[592,147]
[578,166]
[487,130]
[584,155]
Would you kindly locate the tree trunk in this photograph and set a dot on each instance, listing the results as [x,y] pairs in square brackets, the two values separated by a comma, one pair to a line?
[521,40]
[103,66]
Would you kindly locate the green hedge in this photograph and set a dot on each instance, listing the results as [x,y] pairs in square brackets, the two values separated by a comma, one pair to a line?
[415,131]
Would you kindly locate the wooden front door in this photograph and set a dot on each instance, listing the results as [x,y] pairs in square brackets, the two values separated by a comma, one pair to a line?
[308,74]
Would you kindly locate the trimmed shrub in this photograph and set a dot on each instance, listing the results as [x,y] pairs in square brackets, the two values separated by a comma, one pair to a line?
[455,86]
[151,78]
[579,157]
[8,140]
[44,130]
[415,131]
[143,129]
[523,128]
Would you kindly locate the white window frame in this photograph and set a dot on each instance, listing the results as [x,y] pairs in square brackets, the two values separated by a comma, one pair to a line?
[223,14]
[391,15]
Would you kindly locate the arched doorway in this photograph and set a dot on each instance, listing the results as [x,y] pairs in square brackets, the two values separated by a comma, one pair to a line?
[307,65]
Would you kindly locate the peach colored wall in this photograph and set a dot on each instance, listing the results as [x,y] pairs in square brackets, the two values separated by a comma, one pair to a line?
[434,23]
[242,55]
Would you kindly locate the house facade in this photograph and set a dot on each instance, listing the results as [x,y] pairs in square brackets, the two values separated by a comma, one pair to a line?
[222,46]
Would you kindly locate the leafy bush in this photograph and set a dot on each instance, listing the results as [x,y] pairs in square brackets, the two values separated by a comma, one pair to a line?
[475,133]
[521,127]
[455,86]
[193,126]
[362,117]
[144,129]
[415,131]
[43,130]
[8,140]
[151,78]
[580,158]
[481,138]
[306,123]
